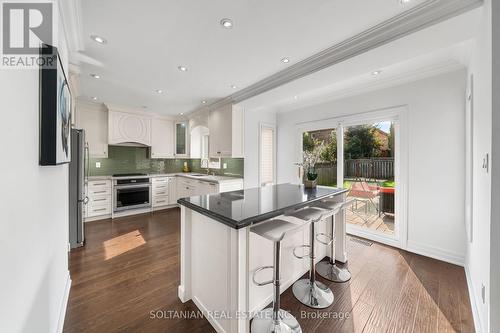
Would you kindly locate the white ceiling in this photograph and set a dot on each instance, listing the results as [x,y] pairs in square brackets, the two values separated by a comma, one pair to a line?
[148,40]
[440,48]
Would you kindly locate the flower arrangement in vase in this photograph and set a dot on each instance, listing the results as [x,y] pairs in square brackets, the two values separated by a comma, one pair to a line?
[310,158]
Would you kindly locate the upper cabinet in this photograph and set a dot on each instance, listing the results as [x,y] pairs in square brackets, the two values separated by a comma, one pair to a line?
[199,142]
[93,118]
[181,138]
[226,131]
[162,138]
[129,128]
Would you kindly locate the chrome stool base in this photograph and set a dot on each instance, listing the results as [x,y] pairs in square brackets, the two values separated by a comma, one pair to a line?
[263,323]
[332,272]
[313,294]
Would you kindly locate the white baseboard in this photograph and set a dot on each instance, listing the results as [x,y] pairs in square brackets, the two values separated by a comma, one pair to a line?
[215,323]
[473,303]
[64,305]
[436,253]
[181,292]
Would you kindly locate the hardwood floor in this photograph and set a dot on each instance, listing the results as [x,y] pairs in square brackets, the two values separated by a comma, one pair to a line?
[130,267]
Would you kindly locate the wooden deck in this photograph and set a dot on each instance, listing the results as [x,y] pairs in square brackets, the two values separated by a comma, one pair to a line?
[130,267]
[365,215]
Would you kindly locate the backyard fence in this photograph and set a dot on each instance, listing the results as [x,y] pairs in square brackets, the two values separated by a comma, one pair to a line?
[376,168]
[327,173]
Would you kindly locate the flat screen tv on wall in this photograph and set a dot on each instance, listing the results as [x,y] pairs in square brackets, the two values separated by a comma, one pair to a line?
[55,109]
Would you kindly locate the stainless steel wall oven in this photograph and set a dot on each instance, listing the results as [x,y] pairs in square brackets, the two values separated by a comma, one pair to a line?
[131,191]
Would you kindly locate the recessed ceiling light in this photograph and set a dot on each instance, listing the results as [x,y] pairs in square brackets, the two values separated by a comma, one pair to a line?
[99,39]
[94,98]
[404,1]
[295,97]
[182,68]
[203,102]
[285,60]
[182,113]
[375,73]
[95,76]
[226,23]
[233,86]
[158,91]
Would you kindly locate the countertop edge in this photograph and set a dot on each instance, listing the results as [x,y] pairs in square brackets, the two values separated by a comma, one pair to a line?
[258,218]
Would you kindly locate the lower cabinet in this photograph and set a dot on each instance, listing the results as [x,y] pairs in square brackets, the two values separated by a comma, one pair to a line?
[165,191]
[99,204]
[161,190]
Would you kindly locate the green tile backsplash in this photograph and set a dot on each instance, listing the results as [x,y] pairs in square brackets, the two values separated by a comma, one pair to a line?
[123,159]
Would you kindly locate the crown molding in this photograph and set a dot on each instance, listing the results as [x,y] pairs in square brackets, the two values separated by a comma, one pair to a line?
[415,19]
[71,14]
[393,81]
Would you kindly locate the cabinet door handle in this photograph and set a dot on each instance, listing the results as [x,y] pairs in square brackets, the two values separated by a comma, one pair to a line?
[160,201]
[100,209]
[102,199]
[99,184]
[97,192]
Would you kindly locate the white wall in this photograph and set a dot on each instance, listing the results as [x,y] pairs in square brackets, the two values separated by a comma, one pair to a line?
[34,213]
[495,199]
[436,155]
[478,252]
[253,119]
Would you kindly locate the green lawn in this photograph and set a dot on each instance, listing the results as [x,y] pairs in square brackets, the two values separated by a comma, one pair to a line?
[387,183]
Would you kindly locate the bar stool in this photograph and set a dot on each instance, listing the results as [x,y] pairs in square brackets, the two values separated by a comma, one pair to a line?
[309,291]
[274,319]
[329,269]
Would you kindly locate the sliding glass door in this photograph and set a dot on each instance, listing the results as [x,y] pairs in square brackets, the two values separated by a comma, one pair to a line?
[369,155]
[361,154]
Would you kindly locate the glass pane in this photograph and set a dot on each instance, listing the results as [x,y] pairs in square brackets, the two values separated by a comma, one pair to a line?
[180,133]
[369,175]
[320,156]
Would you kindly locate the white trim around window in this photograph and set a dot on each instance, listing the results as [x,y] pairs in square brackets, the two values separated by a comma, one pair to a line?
[267,154]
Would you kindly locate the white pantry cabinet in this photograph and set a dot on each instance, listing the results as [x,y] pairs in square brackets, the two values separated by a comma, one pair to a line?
[226,131]
[162,138]
[129,128]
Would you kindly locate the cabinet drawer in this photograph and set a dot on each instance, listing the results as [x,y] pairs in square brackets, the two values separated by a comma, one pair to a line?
[99,200]
[98,210]
[159,180]
[99,187]
[160,201]
[160,191]
[160,185]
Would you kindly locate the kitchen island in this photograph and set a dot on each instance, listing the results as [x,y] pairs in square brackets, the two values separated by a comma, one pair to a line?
[219,253]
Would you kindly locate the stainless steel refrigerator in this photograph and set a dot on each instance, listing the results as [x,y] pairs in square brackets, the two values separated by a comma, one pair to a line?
[77,196]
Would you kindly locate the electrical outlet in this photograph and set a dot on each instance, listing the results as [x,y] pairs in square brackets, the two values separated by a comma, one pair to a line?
[97,165]
[483,293]
[224,166]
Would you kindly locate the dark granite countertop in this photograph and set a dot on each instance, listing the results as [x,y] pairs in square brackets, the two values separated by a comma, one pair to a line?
[239,209]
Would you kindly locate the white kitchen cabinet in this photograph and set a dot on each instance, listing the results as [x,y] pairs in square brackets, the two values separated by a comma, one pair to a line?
[160,192]
[93,118]
[181,139]
[129,128]
[226,131]
[99,204]
[162,138]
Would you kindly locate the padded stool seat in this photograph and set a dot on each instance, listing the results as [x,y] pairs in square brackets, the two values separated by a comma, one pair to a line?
[274,230]
[310,214]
